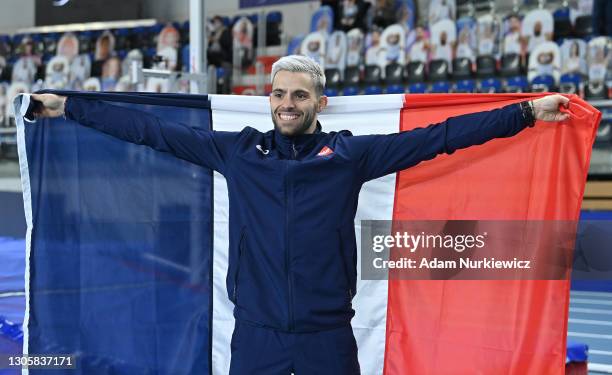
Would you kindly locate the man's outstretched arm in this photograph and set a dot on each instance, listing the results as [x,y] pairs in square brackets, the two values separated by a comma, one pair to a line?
[379,155]
[200,146]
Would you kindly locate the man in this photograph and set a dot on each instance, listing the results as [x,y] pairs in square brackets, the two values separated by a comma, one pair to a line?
[293,197]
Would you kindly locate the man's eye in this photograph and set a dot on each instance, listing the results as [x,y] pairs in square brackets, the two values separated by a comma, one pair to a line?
[301,96]
[277,95]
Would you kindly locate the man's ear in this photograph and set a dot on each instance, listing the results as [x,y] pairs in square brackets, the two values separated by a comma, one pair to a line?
[322,103]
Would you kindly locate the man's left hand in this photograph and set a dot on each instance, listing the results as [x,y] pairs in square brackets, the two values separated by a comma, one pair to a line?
[547,108]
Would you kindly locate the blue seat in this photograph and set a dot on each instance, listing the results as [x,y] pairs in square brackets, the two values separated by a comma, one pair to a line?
[185,57]
[440,87]
[275,17]
[395,89]
[373,90]
[350,90]
[570,83]
[490,85]
[516,84]
[417,88]
[542,83]
[331,92]
[465,86]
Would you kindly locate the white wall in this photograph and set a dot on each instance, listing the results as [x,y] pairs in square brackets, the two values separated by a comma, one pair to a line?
[15,14]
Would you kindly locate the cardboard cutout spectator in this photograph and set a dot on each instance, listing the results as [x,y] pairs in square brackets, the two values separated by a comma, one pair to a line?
[68,46]
[242,33]
[294,45]
[393,44]
[168,37]
[24,70]
[513,40]
[111,71]
[57,73]
[92,84]
[405,14]
[336,51]
[80,69]
[322,20]
[3,90]
[219,44]
[573,56]
[443,39]
[488,29]
[466,45]
[381,14]
[352,15]
[420,48]
[313,46]
[374,55]
[105,48]
[355,47]
[599,59]
[441,10]
[537,28]
[545,59]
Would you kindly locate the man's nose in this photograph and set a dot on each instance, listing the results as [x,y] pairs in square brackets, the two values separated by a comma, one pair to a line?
[287,102]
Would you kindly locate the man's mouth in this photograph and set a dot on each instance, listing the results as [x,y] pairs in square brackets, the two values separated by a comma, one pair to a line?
[287,116]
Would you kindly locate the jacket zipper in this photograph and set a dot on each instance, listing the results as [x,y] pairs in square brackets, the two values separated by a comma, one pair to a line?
[288,243]
[240,250]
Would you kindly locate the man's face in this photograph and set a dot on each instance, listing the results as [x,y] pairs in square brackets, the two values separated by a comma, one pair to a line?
[294,104]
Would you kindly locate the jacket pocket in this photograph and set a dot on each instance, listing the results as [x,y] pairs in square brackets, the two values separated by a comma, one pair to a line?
[241,244]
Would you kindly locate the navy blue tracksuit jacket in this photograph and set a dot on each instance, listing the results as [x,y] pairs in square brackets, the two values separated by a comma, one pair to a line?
[292,249]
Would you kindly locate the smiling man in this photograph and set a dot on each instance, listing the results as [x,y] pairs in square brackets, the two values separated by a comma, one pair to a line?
[293,194]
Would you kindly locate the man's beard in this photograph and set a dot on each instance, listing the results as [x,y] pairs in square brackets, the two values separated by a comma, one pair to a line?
[307,119]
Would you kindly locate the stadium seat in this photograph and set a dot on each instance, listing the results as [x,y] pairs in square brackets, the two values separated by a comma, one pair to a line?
[372,75]
[440,87]
[122,39]
[486,66]
[562,28]
[438,70]
[333,78]
[595,91]
[185,58]
[515,84]
[583,26]
[604,133]
[352,76]
[86,45]
[417,88]
[462,68]
[489,85]
[395,89]
[570,83]
[273,28]
[415,72]
[542,83]
[464,86]
[331,92]
[373,90]
[350,90]
[394,74]
[510,65]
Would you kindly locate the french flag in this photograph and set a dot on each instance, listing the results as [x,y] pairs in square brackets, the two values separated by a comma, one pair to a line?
[127,247]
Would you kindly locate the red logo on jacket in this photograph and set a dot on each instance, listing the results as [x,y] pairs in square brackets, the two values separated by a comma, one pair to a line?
[325,151]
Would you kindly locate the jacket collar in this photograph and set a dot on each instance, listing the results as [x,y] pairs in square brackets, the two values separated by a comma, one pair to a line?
[297,146]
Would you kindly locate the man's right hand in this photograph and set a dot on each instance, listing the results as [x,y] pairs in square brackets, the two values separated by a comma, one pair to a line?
[52,105]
